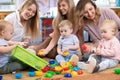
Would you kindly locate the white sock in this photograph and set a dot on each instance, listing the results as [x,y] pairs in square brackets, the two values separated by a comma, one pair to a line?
[83,65]
[92,64]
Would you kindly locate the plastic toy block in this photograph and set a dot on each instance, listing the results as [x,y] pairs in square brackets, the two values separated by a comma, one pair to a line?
[76,68]
[74,73]
[40,53]
[65,53]
[18,76]
[31,74]
[29,58]
[58,68]
[51,62]
[68,75]
[49,74]
[45,69]
[80,72]
[57,73]
[1,77]
[84,47]
[38,73]
[117,71]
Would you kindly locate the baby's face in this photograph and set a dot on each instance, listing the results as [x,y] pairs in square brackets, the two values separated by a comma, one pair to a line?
[107,33]
[65,31]
[8,32]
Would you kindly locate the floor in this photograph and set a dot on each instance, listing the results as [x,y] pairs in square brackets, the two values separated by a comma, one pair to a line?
[104,75]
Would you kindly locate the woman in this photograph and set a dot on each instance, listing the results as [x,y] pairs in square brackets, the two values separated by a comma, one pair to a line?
[90,18]
[25,21]
[65,12]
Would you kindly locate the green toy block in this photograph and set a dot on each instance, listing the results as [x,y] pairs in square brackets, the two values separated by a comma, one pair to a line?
[29,58]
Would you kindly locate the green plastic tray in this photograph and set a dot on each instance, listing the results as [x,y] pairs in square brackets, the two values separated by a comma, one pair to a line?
[29,58]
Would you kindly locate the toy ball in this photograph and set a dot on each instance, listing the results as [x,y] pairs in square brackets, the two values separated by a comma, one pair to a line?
[68,75]
[117,71]
[66,53]
[31,74]
[18,76]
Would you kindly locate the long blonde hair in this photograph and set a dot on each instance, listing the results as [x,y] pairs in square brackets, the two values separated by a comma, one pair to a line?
[79,16]
[69,15]
[32,29]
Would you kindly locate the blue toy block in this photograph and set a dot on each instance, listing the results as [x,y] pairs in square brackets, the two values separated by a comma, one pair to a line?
[68,75]
[31,74]
[1,77]
[18,76]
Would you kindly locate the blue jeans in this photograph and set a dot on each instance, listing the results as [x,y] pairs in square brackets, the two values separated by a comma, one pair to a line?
[60,58]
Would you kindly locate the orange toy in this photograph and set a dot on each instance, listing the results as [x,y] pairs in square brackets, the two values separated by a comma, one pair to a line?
[40,53]
[74,73]
[38,73]
[66,53]
[58,68]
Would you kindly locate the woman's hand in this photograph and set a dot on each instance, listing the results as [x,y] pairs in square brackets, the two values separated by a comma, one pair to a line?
[43,52]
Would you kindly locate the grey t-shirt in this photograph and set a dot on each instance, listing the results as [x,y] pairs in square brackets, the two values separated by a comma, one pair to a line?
[71,40]
[4,57]
[94,30]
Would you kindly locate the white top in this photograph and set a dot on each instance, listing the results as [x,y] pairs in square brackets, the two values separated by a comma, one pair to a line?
[19,31]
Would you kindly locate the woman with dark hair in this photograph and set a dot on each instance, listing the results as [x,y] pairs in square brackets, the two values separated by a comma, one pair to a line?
[90,18]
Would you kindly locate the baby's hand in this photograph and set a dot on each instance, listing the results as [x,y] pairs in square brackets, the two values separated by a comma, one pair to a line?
[97,51]
[88,48]
[66,49]
[23,43]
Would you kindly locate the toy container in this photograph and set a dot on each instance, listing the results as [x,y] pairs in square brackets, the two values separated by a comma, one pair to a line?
[29,58]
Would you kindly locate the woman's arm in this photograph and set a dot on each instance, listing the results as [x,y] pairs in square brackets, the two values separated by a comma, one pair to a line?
[54,40]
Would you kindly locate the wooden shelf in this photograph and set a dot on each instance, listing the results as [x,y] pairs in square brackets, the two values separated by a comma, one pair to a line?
[46,27]
[117,11]
[4,14]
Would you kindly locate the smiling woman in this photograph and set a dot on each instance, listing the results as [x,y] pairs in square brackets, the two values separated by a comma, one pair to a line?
[22,18]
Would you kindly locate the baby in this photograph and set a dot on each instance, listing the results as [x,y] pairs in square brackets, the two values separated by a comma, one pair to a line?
[108,49]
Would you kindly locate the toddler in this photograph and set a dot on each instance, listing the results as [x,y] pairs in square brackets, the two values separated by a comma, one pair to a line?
[67,43]
[108,48]
[7,62]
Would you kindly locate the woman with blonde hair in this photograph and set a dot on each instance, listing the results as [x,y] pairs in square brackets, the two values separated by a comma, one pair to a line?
[25,21]
[65,12]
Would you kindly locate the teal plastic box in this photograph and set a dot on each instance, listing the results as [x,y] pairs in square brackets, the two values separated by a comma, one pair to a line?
[29,58]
